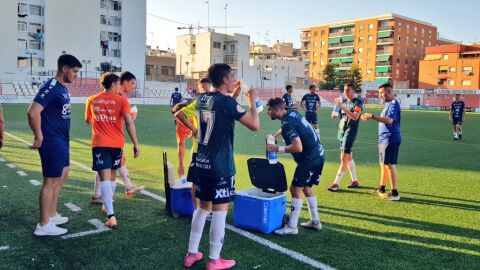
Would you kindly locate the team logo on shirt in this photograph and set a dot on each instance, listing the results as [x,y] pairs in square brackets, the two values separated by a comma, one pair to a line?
[240,109]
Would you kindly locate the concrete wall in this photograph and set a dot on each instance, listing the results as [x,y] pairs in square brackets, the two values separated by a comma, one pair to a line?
[8,32]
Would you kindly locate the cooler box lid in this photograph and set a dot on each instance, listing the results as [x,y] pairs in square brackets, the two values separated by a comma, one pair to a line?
[268,177]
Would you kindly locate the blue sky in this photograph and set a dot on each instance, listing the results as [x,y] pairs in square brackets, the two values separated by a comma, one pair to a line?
[281,20]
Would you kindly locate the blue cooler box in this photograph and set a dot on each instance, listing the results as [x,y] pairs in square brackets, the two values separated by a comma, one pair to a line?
[181,200]
[262,208]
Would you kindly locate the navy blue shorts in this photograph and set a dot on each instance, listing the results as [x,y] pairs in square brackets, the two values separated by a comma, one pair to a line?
[311,117]
[388,152]
[192,175]
[307,175]
[217,190]
[105,158]
[456,121]
[346,144]
[55,156]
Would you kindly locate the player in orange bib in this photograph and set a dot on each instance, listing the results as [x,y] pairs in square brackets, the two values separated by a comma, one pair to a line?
[106,112]
[127,84]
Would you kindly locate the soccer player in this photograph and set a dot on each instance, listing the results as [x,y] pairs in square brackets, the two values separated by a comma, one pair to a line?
[288,99]
[307,151]
[310,104]
[106,111]
[457,115]
[350,111]
[127,84]
[216,114]
[187,117]
[390,137]
[2,126]
[175,98]
[49,119]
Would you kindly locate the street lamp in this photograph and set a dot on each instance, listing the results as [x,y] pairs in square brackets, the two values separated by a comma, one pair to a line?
[186,74]
[86,62]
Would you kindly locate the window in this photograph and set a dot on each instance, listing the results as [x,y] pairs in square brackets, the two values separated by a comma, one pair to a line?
[429,43]
[314,54]
[369,71]
[369,51]
[322,63]
[103,19]
[397,71]
[451,82]
[414,29]
[322,43]
[35,28]
[370,37]
[360,39]
[408,26]
[322,33]
[116,21]
[445,57]
[414,73]
[22,62]
[314,44]
[453,69]
[217,45]
[466,82]
[360,50]
[399,25]
[423,31]
[370,26]
[398,37]
[315,33]
[104,52]
[467,70]
[22,26]
[36,10]
[398,60]
[359,61]
[35,45]
[22,9]
[115,53]
[406,61]
[361,28]
[22,44]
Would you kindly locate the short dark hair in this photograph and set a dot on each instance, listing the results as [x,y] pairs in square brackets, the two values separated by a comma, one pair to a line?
[312,86]
[288,87]
[176,89]
[110,79]
[204,80]
[276,102]
[350,85]
[178,107]
[69,61]
[127,76]
[386,86]
[217,72]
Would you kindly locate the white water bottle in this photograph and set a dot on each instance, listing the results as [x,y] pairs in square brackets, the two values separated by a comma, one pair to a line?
[272,156]
[336,109]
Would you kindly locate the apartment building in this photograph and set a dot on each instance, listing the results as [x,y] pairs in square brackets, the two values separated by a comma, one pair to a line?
[451,67]
[160,65]
[36,32]
[387,48]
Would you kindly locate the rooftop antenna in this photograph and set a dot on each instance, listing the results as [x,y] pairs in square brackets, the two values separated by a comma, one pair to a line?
[208,15]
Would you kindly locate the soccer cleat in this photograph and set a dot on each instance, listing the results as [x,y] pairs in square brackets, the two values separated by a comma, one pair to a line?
[312,225]
[287,230]
[220,264]
[191,259]
[49,229]
[390,197]
[132,190]
[353,184]
[58,219]
[111,222]
[377,192]
[459,136]
[96,200]
[333,187]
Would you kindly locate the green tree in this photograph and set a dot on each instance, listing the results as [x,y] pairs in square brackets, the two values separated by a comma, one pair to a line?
[330,77]
[354,76]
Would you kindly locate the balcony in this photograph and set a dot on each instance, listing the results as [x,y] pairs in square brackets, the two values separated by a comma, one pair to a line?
[385,28]
[339,34]
[384,63]
[384,52]
[231,51]
[304,49]
[384,40]
[383,74]
[339,45]
[340,55]
[343,65]
[304,38]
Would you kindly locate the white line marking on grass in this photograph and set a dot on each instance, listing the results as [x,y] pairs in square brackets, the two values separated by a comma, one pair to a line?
[101,227]
[2,159]
[2,248]
[35,182]
[95,222]
[21,173]
[73,207]
[10,165]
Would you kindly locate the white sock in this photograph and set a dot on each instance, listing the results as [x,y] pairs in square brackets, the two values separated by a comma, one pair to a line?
[339,176]
[455,134]
[295,212]
[353,170]
[97,187]
[125,177]
[107,195]
[113,184]
[317,131]
[313,208]
[198,222]
[217,233]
